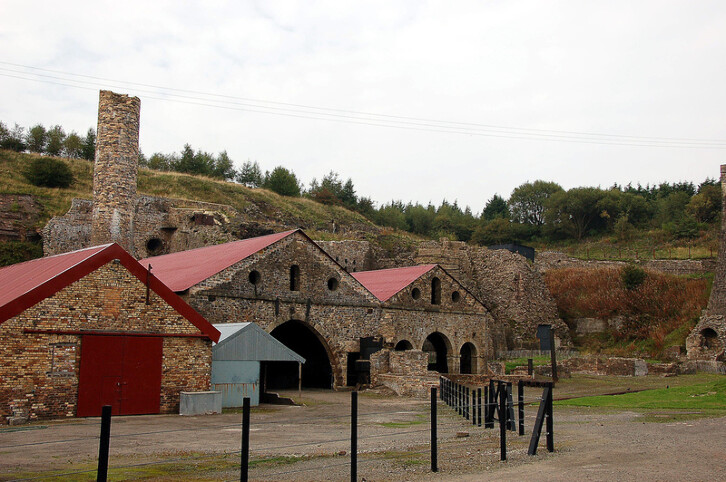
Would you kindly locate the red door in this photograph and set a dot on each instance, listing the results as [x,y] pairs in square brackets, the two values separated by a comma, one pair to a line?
[121,371]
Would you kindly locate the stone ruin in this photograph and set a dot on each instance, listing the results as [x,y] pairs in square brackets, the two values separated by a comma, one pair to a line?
[143,225]
[707,341]
[509,285]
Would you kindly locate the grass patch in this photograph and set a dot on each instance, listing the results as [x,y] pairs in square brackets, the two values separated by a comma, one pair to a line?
[406,458]
[510,365]
[420,419]
[706,398]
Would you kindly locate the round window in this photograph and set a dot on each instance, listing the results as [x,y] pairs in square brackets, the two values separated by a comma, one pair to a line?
[416,293]
[455,296]
[333,284]
[255,277]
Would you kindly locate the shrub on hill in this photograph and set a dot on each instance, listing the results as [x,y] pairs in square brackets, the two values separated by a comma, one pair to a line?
[48,172]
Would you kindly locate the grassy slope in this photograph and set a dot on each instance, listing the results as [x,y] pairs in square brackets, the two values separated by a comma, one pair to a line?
[312,216]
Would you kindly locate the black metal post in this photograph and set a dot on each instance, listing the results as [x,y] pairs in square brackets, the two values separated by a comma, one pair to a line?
[479,404]
[103,445]
[502,422]
[466,403]
[473,406]
[511,422]
[491,405]
[550,423]
[354,436]
[520,404]
[553,355]
[459,404]
[530,366]
[245,455]
[434,448]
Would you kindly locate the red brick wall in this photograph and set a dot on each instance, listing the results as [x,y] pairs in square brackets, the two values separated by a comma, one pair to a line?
[39,372]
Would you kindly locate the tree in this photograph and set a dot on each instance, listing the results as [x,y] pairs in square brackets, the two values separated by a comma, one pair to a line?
[73,146]
[574,211]
[161,162]
[705,206]
[495,208]
[250,175]
[223,167]
[497,231]
[12,139]
[56,136]
[282,181]
[88,150]
[391,215]
[527,202]
[37,138]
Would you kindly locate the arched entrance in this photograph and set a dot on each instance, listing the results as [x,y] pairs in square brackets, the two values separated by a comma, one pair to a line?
[317,371]
[437,346]
[467,357]
[403,345]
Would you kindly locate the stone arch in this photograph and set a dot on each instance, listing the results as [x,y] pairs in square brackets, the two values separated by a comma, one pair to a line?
[710,342]
[438,347]
[403,345]
[468,359]
[306,341]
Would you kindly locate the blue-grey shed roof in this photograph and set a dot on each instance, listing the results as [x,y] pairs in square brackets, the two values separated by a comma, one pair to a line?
[249,342]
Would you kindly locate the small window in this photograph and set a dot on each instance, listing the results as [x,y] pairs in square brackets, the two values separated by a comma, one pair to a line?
[435,291]
[255,277]
[415,293]
[294,278]
[455,296]
[333,284]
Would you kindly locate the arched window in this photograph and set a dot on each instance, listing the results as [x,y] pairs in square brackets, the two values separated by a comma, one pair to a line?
[403,345]
[294,278]
[435,291]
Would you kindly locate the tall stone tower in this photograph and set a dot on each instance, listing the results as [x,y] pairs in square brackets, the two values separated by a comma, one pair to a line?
[116,169]
[707,341]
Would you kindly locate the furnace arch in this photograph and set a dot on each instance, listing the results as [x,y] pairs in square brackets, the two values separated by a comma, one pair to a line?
[438,348]
[306,341]
[468,359]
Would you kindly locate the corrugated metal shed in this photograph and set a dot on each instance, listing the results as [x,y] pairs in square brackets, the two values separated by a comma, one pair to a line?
[384,283]
[249,342]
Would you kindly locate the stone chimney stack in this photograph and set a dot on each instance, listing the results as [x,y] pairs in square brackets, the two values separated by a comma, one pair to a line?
[115,170]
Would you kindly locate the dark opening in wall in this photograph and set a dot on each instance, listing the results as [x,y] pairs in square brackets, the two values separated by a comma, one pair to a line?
[255,277]
[455,296]
[317,371]
[333,284]
[467,358]
[403,345]
[415,293]
[435,291]
[294,278]
[154,246]
[710,339]
[437,347]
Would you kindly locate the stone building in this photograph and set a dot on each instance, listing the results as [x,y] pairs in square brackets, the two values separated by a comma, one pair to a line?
[91,327]
[297,292]
[707,341]
[143,225]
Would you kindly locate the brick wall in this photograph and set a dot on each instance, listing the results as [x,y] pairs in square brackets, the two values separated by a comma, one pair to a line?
[39,373]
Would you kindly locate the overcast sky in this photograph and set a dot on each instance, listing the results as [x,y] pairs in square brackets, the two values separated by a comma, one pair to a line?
[413,100]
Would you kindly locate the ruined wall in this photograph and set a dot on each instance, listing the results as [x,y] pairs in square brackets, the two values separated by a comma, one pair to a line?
[39,373]
[351,255]
[508,285]
[115,169]
[19,214]
[707,341]
[548,260]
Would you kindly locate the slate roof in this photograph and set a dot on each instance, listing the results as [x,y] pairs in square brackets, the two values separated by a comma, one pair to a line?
[180,271]
[25,284]
[384,283]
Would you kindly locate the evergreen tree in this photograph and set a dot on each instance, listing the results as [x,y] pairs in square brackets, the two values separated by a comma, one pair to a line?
[36,139]
[250,175]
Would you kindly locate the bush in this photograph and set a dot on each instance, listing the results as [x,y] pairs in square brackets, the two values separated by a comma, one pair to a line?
[48,172]
[12,252]
[633,276]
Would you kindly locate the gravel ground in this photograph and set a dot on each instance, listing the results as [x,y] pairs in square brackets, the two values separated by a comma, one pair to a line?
[312,443]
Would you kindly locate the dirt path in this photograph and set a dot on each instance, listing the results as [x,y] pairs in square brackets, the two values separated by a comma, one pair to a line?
[311,443]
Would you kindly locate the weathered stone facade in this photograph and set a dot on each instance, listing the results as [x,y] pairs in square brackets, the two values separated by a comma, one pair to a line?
[19,213]
[707,341]
[548,260]
[336,308]
[508,285]
[42,346]
[351,255]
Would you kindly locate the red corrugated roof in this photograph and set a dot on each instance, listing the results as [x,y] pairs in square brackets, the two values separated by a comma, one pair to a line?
[384,283]
[182,270]
[23,285]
